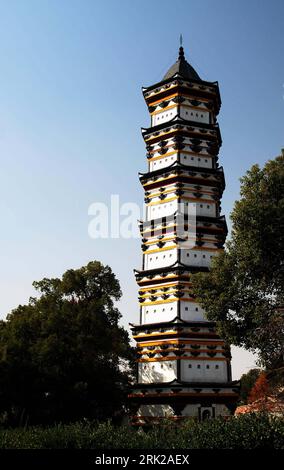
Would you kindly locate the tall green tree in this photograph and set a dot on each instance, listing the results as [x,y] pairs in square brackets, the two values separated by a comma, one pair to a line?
[64,356]
[243,292]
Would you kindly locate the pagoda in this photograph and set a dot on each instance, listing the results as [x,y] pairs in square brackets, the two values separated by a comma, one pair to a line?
[184,367]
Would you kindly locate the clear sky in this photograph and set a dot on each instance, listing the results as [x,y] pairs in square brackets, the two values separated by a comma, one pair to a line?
[71,110]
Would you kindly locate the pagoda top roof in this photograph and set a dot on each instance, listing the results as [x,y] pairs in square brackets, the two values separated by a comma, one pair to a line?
[182,70]
[182,67]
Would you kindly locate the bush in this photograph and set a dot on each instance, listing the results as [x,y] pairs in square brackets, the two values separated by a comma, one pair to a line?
[251,431]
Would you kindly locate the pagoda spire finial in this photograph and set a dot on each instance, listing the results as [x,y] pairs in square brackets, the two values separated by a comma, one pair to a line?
[181,51]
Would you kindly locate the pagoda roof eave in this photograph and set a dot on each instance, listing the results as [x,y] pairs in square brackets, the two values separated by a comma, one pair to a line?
[178,76]
[176,321]
[233,383]
[173,267]
[173,217]
[178,165]
[179,120]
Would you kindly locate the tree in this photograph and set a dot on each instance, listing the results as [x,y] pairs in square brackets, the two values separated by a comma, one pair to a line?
[243,292]
[247,382]
[64,355]
[260,390]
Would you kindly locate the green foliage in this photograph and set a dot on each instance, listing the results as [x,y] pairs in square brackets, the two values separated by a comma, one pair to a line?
[243,292]
[275,379]
[252,431]
[62,353]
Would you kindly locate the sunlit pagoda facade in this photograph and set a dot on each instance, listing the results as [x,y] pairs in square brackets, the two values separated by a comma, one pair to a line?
[184,367]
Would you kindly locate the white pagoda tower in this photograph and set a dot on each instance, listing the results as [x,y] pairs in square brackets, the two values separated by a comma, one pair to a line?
[184,367]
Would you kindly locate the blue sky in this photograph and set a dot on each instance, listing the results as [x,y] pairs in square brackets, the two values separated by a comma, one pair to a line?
[71,109]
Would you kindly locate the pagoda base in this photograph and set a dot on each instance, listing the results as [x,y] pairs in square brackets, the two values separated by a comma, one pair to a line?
[178,401]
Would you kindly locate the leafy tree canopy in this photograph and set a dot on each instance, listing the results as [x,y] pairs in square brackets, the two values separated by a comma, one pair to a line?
[243,292]
[247,382]
[260,390]
[64,356]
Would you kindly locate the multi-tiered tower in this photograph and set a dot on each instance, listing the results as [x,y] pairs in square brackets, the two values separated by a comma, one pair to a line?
[183,365]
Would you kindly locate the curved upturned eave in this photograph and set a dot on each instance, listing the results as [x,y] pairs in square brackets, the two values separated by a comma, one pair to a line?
[233,383]
[174,266]
[145,89]
[145,131]
[176,321]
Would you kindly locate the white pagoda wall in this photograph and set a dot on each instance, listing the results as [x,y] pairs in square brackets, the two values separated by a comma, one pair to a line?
[160,259]
[200,371]
[167,311]
[197,257]
[191,311]
[189,257]
[163,116]
[186,112]
[162,411]
[162,162]
[195,160]
[217,409]
[190,410]
[164,371]
[159,312]
[185,159]
[168,208]
[203,374]
[192,114]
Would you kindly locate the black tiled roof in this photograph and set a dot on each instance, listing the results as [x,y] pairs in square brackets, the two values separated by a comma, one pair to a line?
[183,68]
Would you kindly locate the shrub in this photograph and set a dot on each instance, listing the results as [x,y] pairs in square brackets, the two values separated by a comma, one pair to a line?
[251,431]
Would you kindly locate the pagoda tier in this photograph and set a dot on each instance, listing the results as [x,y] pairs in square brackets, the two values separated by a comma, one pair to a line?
[172,223]
[177,127]
[178,400]
[183,91]
[183,366]
[173,229]
[188,144]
